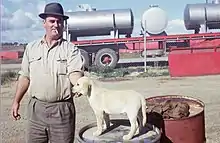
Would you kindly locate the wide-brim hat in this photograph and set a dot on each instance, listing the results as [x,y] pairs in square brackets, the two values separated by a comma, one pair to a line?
[53,9]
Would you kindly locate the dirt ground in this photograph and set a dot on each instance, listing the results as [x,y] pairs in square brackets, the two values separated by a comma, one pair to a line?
[205,88]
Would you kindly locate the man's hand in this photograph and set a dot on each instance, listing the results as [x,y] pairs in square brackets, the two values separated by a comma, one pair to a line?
[74,76]
[22,86]
[14,111]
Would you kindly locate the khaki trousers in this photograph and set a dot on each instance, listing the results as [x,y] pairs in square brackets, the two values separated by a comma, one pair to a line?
[50,122]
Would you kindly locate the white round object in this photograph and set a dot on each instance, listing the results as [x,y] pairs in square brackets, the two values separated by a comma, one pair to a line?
[156,20]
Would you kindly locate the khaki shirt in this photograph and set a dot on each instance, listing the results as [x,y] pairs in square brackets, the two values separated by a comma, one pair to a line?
[49,68]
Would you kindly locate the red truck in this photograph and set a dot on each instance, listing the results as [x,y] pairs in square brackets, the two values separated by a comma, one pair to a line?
[114,31]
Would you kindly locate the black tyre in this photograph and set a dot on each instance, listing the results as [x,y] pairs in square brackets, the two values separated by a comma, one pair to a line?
[106,58]
[85,58]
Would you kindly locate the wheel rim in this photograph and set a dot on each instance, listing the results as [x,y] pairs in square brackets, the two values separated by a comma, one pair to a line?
[83,60]
[106,59]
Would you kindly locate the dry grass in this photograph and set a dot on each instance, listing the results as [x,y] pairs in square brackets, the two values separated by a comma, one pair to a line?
[8,76]
[136,72]
[154,72]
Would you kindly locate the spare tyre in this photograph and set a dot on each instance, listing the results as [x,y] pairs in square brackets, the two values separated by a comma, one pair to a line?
[85,58]
[106,58]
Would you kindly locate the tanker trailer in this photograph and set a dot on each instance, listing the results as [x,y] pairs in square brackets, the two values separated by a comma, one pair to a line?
[207,14]
[154,22]
[100,23]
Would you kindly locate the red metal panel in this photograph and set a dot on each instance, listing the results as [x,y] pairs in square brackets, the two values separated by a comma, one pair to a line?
[150,38]
[9,55]
[128,51]
[193,64]
[140,45]
[205,43]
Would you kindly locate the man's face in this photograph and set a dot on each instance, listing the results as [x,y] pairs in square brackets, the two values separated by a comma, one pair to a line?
[54,26]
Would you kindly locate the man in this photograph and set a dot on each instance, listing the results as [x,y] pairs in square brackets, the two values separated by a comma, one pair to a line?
[49,70]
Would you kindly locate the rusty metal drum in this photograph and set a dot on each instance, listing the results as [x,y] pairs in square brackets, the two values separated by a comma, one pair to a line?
[114,134]
[190,129]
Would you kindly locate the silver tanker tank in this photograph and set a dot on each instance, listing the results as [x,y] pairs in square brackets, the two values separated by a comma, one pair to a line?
[199,14]
[154,20]
[100,22]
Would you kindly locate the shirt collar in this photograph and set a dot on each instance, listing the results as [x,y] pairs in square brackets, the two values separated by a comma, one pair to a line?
[43,40]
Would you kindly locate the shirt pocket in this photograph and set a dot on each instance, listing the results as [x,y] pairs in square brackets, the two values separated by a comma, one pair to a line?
[62,66]
[35,63]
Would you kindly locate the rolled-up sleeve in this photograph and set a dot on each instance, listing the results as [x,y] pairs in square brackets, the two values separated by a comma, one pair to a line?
[24,71]
[74,60]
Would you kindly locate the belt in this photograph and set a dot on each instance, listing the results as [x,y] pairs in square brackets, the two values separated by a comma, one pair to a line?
[58,101]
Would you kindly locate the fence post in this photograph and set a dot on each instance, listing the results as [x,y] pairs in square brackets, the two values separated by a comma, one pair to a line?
[145,48]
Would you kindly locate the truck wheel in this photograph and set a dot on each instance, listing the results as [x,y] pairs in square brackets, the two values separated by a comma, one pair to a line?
[106,57]
[85,58]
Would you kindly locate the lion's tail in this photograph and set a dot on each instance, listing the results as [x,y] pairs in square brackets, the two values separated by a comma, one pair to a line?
[143,108]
